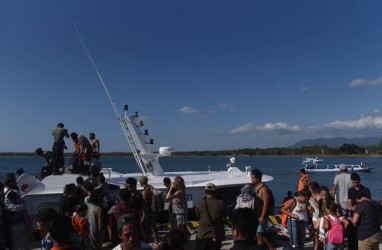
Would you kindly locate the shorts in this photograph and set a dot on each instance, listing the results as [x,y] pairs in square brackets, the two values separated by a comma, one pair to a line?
[262,228]
[371,243]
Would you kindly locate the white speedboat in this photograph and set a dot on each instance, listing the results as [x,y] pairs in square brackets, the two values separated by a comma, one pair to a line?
[314,160]
[322,168]
[46,192]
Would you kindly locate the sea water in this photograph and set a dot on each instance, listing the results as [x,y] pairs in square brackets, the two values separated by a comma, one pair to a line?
[284,169]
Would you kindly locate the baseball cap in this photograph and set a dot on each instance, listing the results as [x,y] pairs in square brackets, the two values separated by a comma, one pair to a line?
[126,219]
[45,214]
[210,187]
[343,167]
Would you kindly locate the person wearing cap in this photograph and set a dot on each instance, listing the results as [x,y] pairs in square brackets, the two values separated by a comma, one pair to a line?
[129,234]
[210,213]
[58,147]
[123,207]
[42,218]
[342,182]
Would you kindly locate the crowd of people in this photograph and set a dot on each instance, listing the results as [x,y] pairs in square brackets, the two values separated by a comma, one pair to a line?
[85,156]
[345,217]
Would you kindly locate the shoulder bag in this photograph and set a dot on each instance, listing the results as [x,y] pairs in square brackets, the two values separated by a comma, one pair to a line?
[218,232]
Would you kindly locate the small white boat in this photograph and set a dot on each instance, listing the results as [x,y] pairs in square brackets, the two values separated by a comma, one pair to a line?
[322,168]
[308,159]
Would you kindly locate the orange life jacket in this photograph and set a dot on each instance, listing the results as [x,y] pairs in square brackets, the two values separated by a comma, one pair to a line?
[303,182]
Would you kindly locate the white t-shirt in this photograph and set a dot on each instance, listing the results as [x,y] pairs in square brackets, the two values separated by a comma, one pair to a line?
[343,183]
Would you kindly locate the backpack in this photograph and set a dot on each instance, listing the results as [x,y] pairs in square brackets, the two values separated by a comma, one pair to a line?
[336,231]
[284,216]
[157,201]
[241,204]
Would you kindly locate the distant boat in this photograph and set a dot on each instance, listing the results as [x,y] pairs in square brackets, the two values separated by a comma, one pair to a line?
[322,168]
[308,159]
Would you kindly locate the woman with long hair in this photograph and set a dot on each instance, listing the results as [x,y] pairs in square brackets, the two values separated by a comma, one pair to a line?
[179,203]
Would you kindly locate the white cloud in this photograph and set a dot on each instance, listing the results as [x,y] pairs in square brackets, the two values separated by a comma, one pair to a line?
[225,107]
[359,83]
[365,125]
[367,122]
[279,126]
[243,129]
[188,110]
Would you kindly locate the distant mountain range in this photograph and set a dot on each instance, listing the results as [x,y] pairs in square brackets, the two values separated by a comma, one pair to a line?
[339,141]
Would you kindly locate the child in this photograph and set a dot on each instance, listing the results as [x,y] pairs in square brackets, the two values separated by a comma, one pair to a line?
[323,202]
[314,189]
[335,227]
[79,221]
[296,209]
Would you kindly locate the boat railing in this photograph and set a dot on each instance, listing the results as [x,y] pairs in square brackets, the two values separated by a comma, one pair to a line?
[107,172]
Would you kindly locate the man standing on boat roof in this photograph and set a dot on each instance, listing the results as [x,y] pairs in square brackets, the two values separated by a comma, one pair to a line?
[95,145]
[343,182]
[58,147]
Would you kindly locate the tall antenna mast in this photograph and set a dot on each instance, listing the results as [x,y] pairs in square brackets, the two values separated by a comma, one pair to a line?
[122,121]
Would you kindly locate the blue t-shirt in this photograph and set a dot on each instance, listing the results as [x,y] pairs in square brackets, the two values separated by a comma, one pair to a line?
[352,193]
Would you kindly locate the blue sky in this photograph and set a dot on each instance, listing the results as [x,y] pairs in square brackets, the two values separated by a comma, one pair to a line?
[204,75]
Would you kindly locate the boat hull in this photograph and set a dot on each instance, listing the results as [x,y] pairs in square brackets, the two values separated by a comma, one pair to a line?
[334,168]
[337,170]
[47,192]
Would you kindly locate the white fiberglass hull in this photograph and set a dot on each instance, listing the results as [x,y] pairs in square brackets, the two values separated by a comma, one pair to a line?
[337,170]
[47,192]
